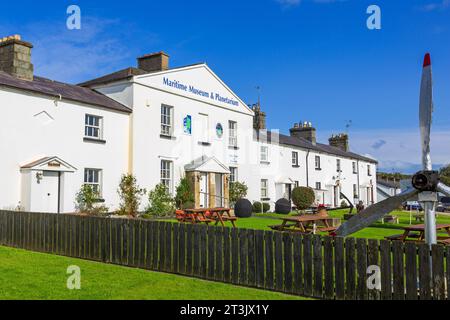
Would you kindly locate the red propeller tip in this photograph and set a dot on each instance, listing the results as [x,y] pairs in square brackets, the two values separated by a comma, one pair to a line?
[427,60]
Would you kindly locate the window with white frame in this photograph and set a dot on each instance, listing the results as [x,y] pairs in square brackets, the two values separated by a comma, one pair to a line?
[166,174]
[294,158]
[233,174]
[317,162]
[318,186]
[369,171]
[354,166]
[93,178]
[355,191]
[264,188]
[338,165]
[264,154]
[166,120]
[296,184]
[93,126]
[232,131]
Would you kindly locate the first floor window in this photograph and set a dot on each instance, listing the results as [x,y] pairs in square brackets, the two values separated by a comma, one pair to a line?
[166,174]
[369,171]
[355,168]
[294,158]
[318,186]
[338,165]
[264,154]
[317,162]
[233,174]
[264,186]
[93,178]
[232,130]
[93,126]
[166,120]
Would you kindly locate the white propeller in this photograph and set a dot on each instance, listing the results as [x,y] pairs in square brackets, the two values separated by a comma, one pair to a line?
[423,181]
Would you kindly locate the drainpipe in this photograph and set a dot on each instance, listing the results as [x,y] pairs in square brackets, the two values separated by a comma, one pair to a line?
[307,168]
[357,171]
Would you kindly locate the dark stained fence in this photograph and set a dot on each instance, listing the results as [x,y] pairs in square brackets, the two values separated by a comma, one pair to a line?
[307,265]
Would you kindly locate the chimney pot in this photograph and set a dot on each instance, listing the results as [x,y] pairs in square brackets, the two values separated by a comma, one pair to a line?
[304,130]
[339,141]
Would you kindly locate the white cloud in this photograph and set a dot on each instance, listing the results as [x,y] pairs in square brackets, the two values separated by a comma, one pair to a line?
[398,149]
[77,55]
[443,4]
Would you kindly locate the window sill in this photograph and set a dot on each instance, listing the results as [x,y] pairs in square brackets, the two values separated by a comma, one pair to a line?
[233,147]
[99,200]
[265,199]
[318,169]
[94,140]
[264,162]
[203,143]
[295,166]
[168,137]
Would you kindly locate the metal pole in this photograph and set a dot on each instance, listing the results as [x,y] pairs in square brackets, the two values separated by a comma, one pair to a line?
[430,222]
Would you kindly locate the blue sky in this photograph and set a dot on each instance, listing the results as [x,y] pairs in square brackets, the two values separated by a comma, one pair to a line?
[315,60]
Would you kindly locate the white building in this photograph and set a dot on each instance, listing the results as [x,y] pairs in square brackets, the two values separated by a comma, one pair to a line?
[159,124]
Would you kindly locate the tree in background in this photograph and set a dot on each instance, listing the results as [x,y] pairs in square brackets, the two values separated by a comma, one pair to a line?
[303,197]
[86,200]
[184,197]
[238,190]
[444,174]
[130,195]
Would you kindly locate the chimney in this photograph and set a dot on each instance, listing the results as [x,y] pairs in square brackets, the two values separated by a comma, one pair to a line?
[154,62]
[304,130]
[259,120]
[15,57]
[340,141]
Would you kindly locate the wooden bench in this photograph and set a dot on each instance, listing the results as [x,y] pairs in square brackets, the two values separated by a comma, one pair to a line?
[394,237]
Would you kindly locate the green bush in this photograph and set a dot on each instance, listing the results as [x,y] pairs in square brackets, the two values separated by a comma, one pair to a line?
[238,190]
[303,197]
[184,197]
[86,201]
[130,195]
[344,204]
[257,207]
[160,202]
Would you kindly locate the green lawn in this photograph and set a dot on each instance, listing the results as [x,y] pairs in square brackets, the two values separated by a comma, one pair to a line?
[30,275]
[262,221]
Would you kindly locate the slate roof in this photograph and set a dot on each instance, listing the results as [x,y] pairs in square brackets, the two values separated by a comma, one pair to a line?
[305,144]
[115,76]
[126,74]
[66,91]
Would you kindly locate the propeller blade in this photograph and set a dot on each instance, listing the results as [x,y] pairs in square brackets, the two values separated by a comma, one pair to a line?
[442,188]
[373,213]
[426,111]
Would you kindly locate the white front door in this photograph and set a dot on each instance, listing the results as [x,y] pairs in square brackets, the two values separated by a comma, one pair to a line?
[204,190]
[47,196]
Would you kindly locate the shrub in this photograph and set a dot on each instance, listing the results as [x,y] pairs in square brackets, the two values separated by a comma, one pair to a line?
[86,200]
[130,195]
[257,207]
[160,202]
[238,190]
[344,204]
[184,197]
[303,197]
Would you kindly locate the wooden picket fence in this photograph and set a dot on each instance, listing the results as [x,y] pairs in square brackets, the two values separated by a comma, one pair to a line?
[306,265]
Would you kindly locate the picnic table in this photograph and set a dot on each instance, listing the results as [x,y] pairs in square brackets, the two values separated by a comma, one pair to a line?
[417,233]
[302,223]
[209,215]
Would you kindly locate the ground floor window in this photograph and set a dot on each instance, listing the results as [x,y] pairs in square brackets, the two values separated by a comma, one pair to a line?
[233,174]
[93,178]
[318,186]
[264,187]
[166,174]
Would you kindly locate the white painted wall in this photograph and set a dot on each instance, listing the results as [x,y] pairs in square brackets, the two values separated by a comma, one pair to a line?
[34,127]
